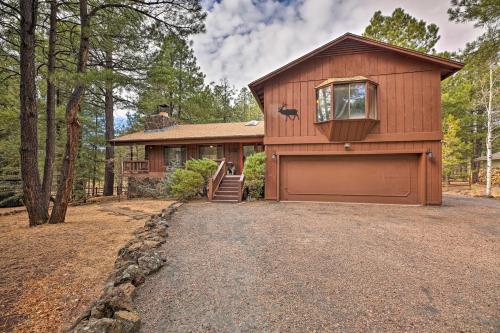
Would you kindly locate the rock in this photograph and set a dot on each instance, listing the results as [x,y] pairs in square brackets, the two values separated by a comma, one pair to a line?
[150,262]
[122,263]
[151,244]
[132,274]
[162,231]
[135,246]
[129,289]
[117,299]
[103,325]
[130,321]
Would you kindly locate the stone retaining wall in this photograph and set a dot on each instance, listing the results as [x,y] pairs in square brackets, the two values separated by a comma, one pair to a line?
[113,311]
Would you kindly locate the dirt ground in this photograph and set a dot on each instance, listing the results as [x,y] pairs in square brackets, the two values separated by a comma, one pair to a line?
[475,190]
[323,267]
[49,274]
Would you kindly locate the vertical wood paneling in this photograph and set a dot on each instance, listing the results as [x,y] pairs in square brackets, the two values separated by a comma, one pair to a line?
[155,157]
[427,101]
[417,102]
[408,102]
[311,113]
[391,111]
[288,98]
[382,103]
[436,100]
[303,114]
[399,110]
[296,95]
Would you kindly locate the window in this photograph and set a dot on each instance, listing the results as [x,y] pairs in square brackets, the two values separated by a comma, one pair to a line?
[372,102]
[356,100]
[213,152]
[175,156]
[249,150]
[349,100]
[323,101]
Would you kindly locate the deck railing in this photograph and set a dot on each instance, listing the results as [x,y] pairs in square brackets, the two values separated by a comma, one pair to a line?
[137,166]
[214,181]
[241,183]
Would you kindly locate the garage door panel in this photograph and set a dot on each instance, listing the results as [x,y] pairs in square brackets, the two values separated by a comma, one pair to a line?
[358,178]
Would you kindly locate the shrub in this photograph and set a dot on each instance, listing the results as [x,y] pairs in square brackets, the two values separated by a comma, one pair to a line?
[204,167]
[185,184]
[254,170]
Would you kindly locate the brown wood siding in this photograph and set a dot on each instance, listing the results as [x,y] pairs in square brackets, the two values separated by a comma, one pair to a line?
[232,153]
[408,105]
[156,159]
[408,91]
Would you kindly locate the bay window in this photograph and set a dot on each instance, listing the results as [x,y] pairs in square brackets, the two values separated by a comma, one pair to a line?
[339,99]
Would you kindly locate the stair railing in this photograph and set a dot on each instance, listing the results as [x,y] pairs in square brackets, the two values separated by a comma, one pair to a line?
[241,182]
[214,181]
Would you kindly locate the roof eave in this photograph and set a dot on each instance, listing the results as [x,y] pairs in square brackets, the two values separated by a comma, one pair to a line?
[451,64]
[132,141]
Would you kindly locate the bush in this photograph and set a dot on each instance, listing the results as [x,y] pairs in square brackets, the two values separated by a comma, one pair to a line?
[139,187]
[204,167]
[185,184]
[254,170]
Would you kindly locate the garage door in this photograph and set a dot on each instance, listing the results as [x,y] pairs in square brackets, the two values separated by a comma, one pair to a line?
[353,178]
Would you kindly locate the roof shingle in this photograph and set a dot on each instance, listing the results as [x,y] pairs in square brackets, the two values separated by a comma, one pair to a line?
[195,131]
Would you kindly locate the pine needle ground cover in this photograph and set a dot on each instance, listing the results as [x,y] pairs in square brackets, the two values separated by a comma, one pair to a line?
[50,274]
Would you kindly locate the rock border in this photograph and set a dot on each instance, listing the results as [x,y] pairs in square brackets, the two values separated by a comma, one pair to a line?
[114,310]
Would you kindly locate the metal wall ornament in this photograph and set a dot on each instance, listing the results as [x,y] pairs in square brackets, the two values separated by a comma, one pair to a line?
[288,113]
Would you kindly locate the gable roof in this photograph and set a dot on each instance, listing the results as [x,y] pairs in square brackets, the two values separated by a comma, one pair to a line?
[194,132]
[448,66]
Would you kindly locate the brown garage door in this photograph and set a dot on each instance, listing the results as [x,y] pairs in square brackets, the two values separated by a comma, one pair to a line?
[353,178]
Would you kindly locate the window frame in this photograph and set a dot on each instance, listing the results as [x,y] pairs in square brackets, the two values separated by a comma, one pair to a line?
[368,101]
[218,159]
[165,154]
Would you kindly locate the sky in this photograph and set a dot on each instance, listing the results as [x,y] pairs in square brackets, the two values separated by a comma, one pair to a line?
[247,39]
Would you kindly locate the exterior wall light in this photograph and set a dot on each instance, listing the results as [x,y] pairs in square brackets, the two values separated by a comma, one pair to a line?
[273,156]
[347,146]
[429,153]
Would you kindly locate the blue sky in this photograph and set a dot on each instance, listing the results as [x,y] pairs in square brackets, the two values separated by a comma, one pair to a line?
[246,39]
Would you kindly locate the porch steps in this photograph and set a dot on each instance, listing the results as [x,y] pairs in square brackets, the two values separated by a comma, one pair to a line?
[227,190]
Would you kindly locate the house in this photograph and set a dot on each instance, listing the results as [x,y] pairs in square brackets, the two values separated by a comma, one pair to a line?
[354,120]
[171,144]
[495,160]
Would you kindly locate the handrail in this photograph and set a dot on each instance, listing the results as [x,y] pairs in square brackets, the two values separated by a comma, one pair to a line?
[135,166]
[215,180]
[241,181]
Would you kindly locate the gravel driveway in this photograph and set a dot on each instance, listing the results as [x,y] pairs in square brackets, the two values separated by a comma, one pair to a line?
[267,267]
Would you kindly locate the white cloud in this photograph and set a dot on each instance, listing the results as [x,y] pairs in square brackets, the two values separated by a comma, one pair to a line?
[246,39]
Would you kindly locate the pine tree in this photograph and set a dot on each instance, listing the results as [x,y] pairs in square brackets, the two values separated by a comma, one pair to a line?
[404,30]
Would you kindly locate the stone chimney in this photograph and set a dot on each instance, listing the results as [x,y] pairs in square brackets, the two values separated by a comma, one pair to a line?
[158,122]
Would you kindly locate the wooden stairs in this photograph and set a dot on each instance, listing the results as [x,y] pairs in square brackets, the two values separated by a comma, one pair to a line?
[225,188]
[228,190]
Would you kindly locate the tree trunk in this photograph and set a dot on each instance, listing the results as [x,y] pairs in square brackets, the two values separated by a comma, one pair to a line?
[72,125]
[94,158]
[109,167]
[489,134]
[50,140]
[28,116]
